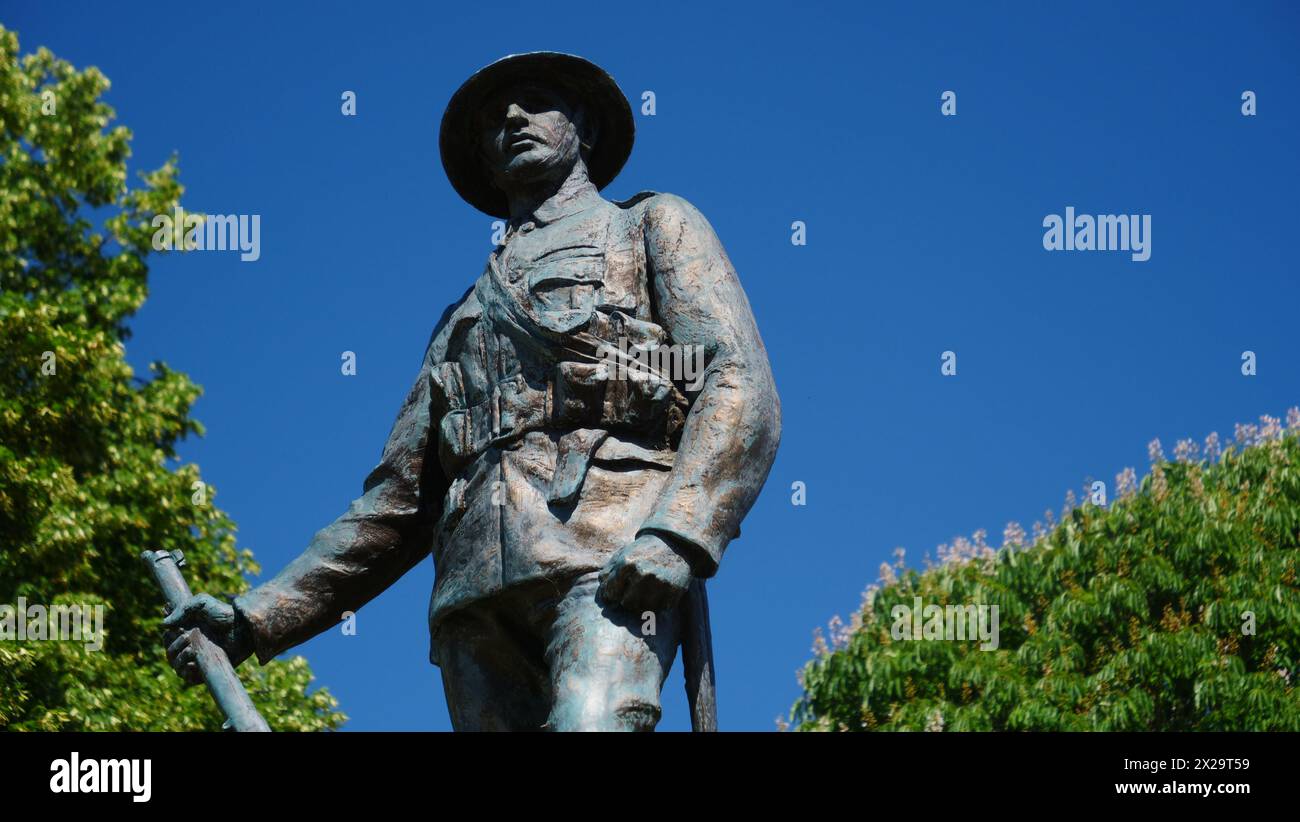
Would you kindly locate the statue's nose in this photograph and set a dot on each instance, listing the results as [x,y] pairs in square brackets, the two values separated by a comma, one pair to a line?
[515,114]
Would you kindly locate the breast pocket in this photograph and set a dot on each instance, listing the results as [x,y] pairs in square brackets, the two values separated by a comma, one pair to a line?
[565,286]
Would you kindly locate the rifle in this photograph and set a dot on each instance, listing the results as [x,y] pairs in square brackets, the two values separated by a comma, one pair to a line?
[218,673]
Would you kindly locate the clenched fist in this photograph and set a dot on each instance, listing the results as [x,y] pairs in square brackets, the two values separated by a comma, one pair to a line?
[218,621]
[646,574]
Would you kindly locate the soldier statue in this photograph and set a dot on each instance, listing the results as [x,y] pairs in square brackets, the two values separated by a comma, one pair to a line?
[573,509]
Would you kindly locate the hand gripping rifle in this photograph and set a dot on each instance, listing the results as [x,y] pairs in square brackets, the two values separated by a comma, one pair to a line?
[213,663]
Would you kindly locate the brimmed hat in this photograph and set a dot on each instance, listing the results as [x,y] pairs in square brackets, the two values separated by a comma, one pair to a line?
[579,81]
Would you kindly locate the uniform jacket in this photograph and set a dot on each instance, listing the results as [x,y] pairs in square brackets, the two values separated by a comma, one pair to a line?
[516,457]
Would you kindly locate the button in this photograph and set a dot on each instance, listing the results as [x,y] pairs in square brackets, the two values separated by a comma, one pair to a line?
[527,227]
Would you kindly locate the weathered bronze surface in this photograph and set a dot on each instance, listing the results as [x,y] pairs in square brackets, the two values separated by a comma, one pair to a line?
[574,497]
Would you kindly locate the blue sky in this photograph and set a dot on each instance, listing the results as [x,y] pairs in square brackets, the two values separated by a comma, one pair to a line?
[924,235]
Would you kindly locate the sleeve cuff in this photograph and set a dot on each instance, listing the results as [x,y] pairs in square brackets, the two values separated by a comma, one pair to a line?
[254,624]
[702,563]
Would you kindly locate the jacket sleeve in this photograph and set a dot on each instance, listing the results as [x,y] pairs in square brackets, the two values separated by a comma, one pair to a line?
[734,425]
[383,534]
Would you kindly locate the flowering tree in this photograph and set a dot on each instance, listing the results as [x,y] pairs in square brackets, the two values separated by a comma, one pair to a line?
[1173,608]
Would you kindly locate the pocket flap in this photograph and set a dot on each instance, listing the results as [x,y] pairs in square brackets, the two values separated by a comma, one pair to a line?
[579,269]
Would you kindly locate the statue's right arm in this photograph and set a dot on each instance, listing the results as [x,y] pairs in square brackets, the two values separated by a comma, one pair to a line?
[383,534]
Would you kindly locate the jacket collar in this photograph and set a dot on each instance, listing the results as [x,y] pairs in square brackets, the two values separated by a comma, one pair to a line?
[564,204]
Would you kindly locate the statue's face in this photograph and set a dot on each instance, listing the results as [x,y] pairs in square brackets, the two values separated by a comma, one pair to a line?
[529,134]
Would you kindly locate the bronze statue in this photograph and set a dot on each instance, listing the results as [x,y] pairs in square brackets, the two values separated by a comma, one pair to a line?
[574,491]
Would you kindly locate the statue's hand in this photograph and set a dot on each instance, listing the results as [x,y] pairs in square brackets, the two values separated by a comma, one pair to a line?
[218,622]
[646,574]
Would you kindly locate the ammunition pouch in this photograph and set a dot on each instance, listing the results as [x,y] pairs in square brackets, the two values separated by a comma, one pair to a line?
[601,388]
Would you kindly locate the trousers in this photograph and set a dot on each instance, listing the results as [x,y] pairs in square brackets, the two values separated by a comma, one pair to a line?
[556,657]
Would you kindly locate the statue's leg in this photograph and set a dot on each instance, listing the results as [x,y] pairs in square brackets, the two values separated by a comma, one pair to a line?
[493,672]
[607,665]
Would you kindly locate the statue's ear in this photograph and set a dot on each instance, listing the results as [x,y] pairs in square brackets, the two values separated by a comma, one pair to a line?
[485,163]
[588,130]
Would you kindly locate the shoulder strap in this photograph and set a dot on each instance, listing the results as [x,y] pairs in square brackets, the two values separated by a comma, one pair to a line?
[634,199]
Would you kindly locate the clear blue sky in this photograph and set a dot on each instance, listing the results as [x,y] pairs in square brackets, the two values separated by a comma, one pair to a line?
[924,235]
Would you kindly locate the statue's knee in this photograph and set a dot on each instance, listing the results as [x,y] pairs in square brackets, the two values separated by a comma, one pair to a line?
[604,709]
[637,714]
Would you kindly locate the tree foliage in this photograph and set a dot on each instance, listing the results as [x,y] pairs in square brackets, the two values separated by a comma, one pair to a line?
[1175,608]
[85,482]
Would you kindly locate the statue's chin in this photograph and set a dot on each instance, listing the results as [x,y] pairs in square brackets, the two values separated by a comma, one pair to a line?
[529,169]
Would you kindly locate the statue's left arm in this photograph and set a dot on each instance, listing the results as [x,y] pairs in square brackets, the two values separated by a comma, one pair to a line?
[734,425]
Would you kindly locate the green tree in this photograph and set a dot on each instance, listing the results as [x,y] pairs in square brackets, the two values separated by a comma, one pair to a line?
[85,482]
[1173,608]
